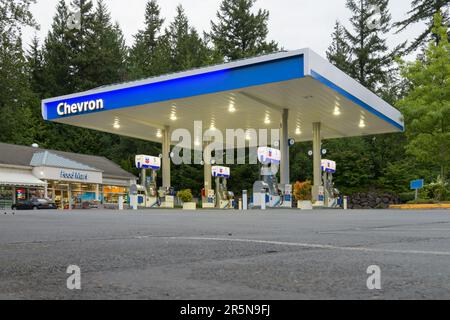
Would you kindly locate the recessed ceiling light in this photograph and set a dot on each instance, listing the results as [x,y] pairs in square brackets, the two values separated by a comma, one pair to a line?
[298,131]
[337,111]
[362,124]
[116,126]
[267,121]
[159,134]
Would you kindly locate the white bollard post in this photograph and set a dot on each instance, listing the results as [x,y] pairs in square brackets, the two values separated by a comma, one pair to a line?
[134,202]
[120,203]
[244,200]
[263,199]
[345,203]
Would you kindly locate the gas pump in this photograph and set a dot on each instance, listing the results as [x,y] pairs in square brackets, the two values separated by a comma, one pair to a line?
[166,197]
[224,198]
[287,195]
[147,191]
[208,199]
[267,189]
[331,194]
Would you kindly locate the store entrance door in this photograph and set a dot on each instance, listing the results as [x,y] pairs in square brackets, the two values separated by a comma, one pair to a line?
[62,199]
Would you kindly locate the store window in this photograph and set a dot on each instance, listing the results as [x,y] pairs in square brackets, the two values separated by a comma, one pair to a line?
[84,196]
[6,197]
[111,194]
[23,194]
[60,194]
[36,193]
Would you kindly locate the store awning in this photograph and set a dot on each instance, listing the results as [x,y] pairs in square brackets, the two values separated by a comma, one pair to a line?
[19,178]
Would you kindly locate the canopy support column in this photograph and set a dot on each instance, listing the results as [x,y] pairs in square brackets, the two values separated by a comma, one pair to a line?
[207,168]
[166,158]
[284,148]
[317,160]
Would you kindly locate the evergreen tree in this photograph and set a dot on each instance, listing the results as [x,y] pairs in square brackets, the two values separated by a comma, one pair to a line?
[101,62]
[69,67]
[14,15]
[427,105]
[35,60]
[188,49]
[61,72]
[356,167]
[239,33]
[371,59]
[146,58]
[424,11]
[79,57]
[363,54]
[85,56]
[104,56]
[17,124]
[339,52]
[59,56]
[80,37]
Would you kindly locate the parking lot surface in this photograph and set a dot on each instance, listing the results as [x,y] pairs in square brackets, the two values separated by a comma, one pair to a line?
[276,254]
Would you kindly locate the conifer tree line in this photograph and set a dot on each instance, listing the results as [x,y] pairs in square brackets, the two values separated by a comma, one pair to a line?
[73,59]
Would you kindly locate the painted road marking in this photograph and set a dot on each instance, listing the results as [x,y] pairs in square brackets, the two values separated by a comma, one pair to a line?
[312,246]
[384,230]
[278,243]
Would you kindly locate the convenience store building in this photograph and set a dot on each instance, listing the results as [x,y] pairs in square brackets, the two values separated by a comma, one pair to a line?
[71,180]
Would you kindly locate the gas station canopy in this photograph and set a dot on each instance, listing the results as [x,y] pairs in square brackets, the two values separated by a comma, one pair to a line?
[246,94]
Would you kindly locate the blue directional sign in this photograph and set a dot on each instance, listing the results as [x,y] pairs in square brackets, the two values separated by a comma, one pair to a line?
[417,184]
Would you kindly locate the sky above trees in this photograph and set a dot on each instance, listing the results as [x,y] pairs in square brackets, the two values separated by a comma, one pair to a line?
[294,24]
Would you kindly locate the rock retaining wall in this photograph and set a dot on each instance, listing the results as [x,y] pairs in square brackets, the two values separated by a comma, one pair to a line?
[372,200]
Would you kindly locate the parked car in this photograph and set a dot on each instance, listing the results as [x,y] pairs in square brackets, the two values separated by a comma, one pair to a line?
[34,204]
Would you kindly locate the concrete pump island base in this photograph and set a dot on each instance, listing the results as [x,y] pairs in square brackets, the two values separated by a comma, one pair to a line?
[297,94]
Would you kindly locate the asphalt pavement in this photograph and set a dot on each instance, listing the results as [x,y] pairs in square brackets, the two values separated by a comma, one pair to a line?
[276,254]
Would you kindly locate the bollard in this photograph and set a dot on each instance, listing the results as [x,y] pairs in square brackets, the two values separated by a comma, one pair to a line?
[345,203]
[263,199]
[244,200]
[120,203]
[240,204]
[134,202]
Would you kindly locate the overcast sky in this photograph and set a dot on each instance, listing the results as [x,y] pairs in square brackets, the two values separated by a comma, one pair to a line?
[294,24]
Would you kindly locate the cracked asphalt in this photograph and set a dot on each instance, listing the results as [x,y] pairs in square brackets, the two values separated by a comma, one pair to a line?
[276,254]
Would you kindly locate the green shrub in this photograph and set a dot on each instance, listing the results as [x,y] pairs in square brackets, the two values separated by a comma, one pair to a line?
[407,196]
[438,191]
[423,201]
[185,195]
